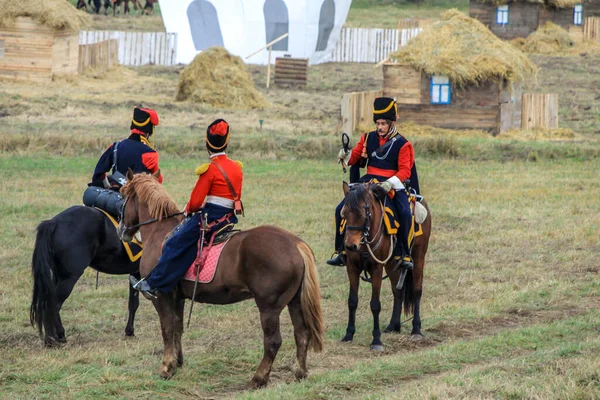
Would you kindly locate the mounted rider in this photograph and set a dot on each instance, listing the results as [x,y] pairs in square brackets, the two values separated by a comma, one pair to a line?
[134,152]
[389,158]
[218,195]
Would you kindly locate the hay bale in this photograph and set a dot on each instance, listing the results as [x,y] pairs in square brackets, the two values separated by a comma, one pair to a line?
[464,50]
[220,79]
[56,14]
[548,39]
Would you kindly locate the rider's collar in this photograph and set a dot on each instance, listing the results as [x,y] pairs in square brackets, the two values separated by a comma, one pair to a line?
[217,154]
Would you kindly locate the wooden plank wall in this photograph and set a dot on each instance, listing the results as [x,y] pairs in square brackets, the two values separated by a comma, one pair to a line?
[451,116]
[357,110]
[27,51]
[101,55]
[65,54]
[138,48]
[539,110]
[291,71]
[591,29]
[402,82]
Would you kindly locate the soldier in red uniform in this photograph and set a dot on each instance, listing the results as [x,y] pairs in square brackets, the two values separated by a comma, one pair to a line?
[389,158]
[217,194]
[133,153]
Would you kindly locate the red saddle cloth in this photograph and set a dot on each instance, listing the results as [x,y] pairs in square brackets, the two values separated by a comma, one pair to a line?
[208,264]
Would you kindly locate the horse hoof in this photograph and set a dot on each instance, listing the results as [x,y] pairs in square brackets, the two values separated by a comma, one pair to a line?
[129,334]
[417,337]
[300,374]
[257,383]
[165,373]
[377,347]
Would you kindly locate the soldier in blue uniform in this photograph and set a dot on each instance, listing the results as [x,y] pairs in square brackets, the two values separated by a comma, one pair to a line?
[133,153]
[389,158]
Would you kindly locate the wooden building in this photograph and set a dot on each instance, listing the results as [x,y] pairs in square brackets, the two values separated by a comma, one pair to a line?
[39,39]
[512,19]
[456,74]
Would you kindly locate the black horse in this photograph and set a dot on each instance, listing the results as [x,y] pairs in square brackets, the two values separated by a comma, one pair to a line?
[65,246]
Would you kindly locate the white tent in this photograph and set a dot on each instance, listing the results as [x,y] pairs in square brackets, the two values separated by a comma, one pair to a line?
[244,26]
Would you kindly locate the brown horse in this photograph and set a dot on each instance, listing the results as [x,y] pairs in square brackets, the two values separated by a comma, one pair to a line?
[369,248]
[266,263]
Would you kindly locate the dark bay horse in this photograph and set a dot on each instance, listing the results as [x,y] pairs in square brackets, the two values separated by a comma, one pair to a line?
[369,248]
[65,246]
[266,263]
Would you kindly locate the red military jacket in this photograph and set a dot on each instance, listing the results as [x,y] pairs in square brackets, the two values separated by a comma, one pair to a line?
[211,186]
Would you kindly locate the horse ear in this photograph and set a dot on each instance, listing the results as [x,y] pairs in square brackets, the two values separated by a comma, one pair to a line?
[129,174]
[346,188]
[156,175]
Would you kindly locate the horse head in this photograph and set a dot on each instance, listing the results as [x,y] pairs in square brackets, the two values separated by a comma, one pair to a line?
[363,213]
[144,200]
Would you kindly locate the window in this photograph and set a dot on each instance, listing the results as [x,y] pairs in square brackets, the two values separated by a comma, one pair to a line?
[502,15]
[578,15]
[1,48]
[440,89]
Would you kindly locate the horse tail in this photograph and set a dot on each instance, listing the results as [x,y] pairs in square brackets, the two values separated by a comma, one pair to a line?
[409,295]
[43,268]
[311,298]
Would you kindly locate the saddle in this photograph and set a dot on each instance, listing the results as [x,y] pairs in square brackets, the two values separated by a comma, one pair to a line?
[222,235]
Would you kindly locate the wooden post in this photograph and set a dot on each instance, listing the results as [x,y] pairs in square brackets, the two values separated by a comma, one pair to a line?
[269,67]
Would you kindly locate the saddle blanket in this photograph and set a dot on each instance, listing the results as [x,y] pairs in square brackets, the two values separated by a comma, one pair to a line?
[133,248]
[207,261]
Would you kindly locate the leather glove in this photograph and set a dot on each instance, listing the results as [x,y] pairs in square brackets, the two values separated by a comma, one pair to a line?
[387,186]
[343,156]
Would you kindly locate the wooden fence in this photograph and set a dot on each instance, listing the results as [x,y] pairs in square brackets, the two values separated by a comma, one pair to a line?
[370,45]
[357,109]
[591,29]
[103,55]
[291,71]
[138,48]
[539,110]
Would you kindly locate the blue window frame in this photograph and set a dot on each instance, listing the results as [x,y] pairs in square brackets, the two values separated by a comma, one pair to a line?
[578,15]
[502,15]
[440,89]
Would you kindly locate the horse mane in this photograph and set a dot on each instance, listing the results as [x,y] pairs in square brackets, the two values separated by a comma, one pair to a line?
[149,191]
[358,194]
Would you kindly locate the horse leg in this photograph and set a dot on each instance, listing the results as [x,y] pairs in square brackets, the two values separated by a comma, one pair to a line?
[165,306]
[353,277]
[179,307]
[376,308]
[394,325]
[134,303]
[301,335]
[269,320]
[64,288]
[417,290]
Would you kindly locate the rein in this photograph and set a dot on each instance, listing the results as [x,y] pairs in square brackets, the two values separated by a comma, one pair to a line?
[366,228]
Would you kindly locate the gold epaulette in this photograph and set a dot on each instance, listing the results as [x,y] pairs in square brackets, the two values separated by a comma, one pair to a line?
[202,169]
[240,164]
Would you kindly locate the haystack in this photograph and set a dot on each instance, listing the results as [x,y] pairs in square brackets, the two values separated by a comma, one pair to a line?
[220,79]
[549,39]
[56,14]
[464,50]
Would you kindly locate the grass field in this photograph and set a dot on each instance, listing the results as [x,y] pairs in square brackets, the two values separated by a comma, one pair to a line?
[511,294]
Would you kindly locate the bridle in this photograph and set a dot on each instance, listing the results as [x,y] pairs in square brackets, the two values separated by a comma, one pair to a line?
[366,230]
[148,222]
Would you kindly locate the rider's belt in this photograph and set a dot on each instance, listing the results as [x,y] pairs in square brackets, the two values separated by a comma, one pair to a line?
[220,201]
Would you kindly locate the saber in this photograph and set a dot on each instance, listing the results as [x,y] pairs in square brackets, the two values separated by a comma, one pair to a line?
[201,246]
[346,147]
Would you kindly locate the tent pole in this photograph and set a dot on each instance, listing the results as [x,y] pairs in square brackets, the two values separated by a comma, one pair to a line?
[269,67]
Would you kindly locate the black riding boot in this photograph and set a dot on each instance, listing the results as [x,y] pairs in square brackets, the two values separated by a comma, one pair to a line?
[338,258]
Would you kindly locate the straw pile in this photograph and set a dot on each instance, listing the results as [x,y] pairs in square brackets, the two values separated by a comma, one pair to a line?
[541,134]
[549,39]
[220,79]
[552,3]
[56,14]
[464,50]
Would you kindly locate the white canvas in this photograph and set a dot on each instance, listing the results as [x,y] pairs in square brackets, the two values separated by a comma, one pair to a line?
[243,26]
